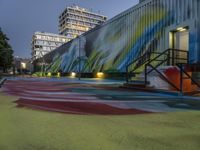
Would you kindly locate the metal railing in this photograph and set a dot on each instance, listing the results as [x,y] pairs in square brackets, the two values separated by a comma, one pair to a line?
[185,75]
[137,63]
[170,57]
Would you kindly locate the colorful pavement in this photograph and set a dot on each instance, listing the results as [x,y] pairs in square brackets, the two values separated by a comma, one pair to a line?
[87,97]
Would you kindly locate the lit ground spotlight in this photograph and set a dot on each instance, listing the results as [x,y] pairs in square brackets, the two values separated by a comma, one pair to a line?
[58,74]
[100,74]
[73,74]
[49,74]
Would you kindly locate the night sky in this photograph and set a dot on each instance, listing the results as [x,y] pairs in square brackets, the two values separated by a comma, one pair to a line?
[19,19]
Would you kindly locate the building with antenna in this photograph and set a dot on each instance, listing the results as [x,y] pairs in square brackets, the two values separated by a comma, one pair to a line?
[75,20]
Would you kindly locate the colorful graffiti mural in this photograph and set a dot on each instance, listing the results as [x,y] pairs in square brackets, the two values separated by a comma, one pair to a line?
[110,47]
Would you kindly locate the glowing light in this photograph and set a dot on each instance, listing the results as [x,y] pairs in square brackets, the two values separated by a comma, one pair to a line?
[181,29]
[49,74]
[23,65]
[73,74]
[86,28]
[58,74]
[100,75]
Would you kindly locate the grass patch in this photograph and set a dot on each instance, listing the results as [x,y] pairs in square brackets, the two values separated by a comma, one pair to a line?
[25,129]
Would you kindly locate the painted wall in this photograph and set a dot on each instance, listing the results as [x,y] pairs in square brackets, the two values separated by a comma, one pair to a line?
[198,31]
[145,27]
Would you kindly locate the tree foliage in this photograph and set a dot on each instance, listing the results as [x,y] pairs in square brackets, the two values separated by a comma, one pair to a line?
[6,52]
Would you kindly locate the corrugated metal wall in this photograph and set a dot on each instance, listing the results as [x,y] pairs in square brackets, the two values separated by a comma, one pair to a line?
[145,27]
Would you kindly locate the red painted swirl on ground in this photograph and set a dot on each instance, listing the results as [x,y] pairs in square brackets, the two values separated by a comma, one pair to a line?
[57,97]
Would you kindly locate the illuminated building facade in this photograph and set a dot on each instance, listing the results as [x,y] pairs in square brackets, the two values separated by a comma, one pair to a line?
[75,21]
[43,43]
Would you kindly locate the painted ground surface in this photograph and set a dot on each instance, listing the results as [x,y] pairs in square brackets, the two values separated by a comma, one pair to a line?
[87,97]
[30,129]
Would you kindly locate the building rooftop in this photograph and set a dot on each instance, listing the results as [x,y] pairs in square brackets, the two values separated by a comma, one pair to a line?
[49,34]
[83,10]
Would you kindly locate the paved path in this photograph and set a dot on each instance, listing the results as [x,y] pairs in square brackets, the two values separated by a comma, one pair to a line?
[87,96]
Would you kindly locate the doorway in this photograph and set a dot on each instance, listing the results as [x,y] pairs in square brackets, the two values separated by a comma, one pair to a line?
[180,41]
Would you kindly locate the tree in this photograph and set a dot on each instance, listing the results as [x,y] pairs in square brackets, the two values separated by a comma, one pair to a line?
[6,52]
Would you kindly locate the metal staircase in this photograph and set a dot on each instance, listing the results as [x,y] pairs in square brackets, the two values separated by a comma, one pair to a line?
[152,62]
[135,68]
[184,75]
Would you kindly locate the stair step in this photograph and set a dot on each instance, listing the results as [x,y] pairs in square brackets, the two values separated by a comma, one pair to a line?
[194,93]
[134,85]
[136,82]
[149,89]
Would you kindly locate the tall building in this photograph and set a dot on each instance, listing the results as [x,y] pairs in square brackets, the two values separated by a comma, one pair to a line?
[43,43]
[75,20]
